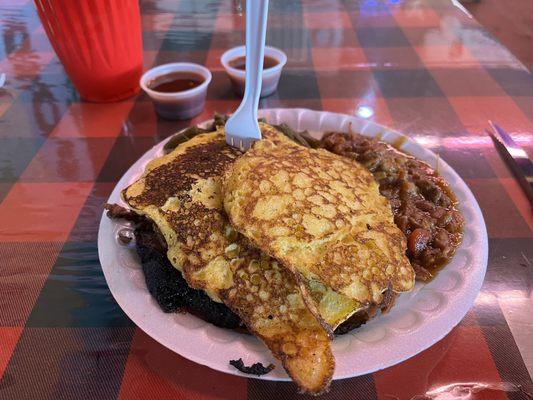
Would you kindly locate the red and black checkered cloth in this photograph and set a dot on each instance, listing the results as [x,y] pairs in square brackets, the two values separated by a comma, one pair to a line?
[424,67]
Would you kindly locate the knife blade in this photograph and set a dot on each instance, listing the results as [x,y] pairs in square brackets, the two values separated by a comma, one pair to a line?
[516,158]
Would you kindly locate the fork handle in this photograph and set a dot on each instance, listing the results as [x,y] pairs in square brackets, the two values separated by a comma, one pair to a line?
[256,22]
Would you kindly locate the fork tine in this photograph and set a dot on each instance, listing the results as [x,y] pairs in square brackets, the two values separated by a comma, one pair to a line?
[249,143]
[242,144]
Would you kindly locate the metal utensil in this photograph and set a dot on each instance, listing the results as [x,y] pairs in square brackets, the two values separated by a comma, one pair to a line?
[515,157]
[242,128]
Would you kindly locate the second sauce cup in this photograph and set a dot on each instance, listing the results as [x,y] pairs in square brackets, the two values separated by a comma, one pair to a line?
[233,62]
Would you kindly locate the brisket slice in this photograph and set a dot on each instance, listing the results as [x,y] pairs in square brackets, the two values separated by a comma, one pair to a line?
[168,287]
[165,283]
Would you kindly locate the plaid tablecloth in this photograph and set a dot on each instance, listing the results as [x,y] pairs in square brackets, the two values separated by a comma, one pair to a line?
[423,67]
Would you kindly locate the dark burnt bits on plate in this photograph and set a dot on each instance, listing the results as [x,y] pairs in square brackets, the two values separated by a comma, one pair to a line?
[423,205]
[257,369]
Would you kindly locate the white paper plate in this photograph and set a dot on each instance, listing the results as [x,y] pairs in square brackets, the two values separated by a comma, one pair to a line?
[418,320]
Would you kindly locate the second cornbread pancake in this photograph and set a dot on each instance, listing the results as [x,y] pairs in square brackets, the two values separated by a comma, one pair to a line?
[181,193]
[320,215]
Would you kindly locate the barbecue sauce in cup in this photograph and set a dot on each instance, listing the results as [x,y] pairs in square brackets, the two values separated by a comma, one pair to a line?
[176,82]
[240,63]
[178,90]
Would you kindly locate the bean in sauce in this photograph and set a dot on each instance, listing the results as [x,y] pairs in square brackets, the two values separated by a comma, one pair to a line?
[422,203]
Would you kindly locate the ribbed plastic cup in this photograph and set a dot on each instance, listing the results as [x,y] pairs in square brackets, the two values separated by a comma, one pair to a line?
[99,43]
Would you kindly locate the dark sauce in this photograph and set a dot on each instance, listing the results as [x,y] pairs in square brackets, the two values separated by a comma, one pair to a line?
[176,82]
[240,62]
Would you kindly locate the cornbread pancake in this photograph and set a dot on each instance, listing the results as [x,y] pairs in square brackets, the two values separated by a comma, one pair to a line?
[181,193]
[320,215]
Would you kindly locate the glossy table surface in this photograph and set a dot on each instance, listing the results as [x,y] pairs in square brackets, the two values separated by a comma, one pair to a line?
[424,67]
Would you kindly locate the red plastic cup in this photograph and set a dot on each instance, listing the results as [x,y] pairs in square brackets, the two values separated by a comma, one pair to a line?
[99,43]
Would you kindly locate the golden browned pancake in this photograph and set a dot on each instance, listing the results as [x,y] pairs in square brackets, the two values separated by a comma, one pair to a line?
[321,216]
[181,193]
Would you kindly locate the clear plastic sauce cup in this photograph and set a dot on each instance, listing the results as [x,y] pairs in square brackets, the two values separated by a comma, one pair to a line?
[183,104]
[270,78]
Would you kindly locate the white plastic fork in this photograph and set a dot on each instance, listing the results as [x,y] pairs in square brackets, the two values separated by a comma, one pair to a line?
[242,128]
